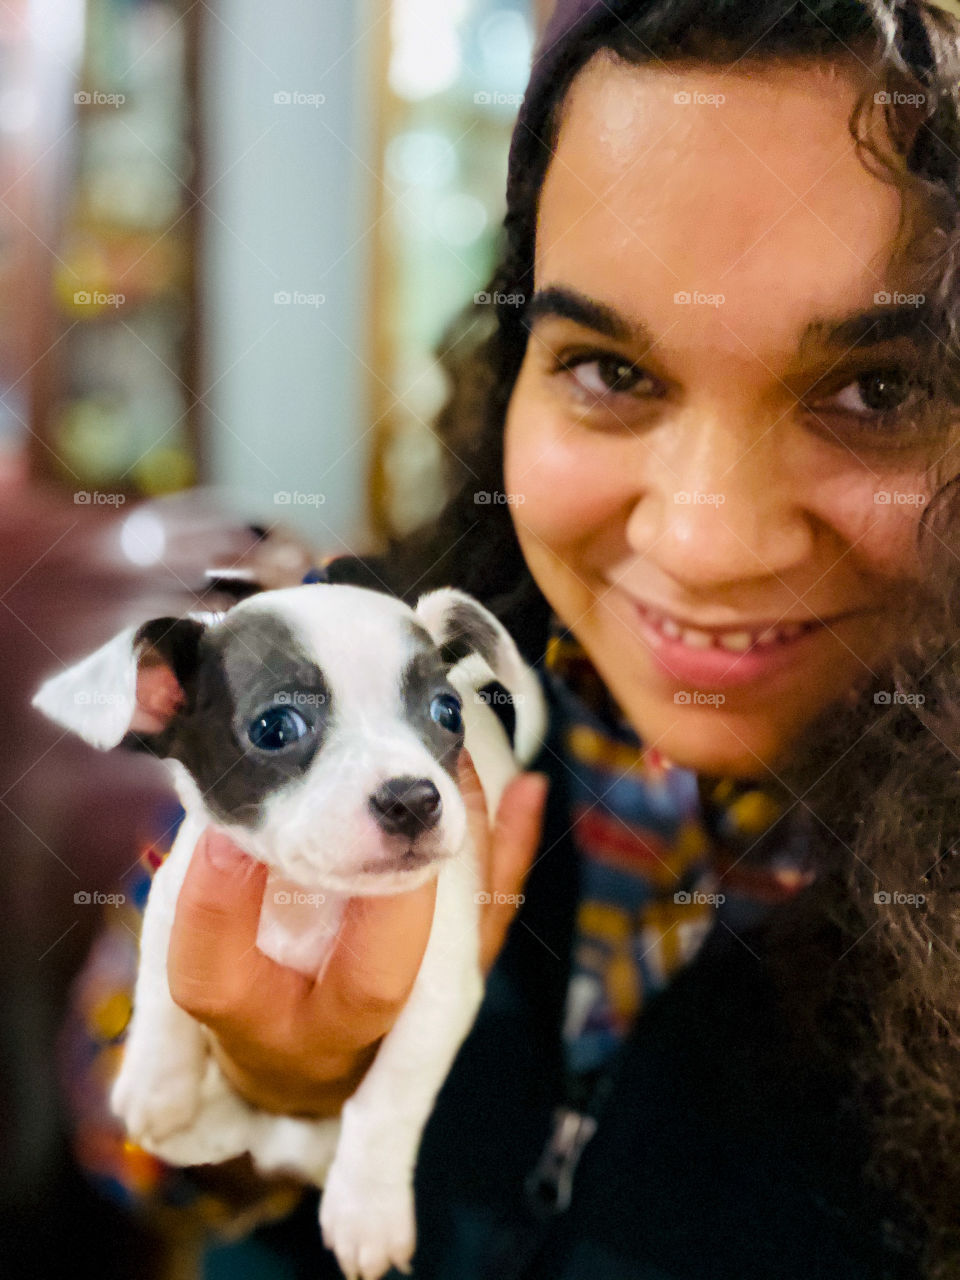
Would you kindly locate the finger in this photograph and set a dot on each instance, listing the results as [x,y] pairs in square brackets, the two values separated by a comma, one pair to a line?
[213,964]
[375,961]
[478,820]
[517,831]
[514,844]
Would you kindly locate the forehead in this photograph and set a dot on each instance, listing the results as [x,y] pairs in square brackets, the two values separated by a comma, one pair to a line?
[361,643]
[749,186]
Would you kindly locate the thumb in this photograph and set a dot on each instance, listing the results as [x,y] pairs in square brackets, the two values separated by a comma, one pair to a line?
[377,955]
[514,845]
[213,953]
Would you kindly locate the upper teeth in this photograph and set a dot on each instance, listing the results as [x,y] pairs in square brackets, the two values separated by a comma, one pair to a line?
[735,641]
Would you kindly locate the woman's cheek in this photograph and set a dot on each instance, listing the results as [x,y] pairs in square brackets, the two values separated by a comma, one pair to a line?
[570,481]
[876,513]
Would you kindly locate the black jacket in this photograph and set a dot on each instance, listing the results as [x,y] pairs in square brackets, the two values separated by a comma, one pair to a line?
[717,1156]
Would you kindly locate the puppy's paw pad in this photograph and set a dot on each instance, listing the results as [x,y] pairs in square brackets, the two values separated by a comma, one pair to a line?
[369,1226]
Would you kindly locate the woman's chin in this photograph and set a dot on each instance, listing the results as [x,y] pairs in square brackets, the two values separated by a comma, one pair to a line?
[710,743]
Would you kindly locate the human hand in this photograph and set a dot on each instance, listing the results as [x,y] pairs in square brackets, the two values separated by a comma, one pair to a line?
[291,1044]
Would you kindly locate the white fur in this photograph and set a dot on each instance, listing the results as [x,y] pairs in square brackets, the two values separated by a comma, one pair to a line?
[98,701]
[319,843]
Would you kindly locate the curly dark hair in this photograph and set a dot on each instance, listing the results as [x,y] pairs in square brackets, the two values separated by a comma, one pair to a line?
[877,780]
[867,960]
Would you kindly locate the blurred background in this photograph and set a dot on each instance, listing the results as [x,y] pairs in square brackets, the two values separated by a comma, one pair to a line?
[231,237]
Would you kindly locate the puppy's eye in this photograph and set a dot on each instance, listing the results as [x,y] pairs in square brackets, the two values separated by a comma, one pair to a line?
[445,710]
[276,728]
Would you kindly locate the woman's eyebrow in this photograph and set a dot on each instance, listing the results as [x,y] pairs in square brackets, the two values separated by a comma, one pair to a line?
[863,329]
[885,322]
[570,304]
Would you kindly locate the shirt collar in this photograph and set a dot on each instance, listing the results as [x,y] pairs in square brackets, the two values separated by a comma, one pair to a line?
[735,811]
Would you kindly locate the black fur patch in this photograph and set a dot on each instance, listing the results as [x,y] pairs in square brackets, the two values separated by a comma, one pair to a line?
[424,676]
[237,672]
[176,640]
[500,702]
[465,631]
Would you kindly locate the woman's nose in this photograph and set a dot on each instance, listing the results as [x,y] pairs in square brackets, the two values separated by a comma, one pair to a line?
[728,509]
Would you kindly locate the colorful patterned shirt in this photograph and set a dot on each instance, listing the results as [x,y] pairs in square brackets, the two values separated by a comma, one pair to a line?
[663,857]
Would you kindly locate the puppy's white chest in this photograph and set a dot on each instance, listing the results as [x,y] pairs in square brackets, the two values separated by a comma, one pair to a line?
[298,926]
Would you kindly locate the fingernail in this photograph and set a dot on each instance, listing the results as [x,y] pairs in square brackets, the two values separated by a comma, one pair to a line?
[465,761]
[540,786]
[222,853]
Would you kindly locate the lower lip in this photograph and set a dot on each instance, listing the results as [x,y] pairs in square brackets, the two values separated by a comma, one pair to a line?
[717,668]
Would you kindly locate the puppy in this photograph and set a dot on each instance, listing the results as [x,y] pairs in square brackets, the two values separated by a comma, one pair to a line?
[319,726]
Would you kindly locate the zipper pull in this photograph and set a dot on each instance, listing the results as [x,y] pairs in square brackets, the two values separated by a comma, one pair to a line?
[549,1186]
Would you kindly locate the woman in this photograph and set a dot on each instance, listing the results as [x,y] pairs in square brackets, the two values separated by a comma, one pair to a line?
[718,393]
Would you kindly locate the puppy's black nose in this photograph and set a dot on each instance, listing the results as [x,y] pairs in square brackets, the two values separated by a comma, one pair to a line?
[406,806]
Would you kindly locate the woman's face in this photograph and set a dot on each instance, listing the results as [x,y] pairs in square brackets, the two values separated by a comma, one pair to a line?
[710,432]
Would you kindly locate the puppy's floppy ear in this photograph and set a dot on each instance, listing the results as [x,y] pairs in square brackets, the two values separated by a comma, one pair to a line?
[135,683]
[466,633]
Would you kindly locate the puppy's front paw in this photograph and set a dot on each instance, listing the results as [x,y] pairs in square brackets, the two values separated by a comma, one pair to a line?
[367,1222]
[152,1106]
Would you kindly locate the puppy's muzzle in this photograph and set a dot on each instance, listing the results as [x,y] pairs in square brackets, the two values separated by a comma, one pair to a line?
[407,807]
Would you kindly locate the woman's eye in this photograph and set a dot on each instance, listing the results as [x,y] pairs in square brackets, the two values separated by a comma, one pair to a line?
[876,394]
[445,711]
[598,375]
[276,728]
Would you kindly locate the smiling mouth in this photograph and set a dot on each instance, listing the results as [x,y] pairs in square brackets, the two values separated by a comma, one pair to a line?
[732,639]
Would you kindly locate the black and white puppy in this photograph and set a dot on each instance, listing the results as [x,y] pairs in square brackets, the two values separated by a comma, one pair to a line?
[319,726]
